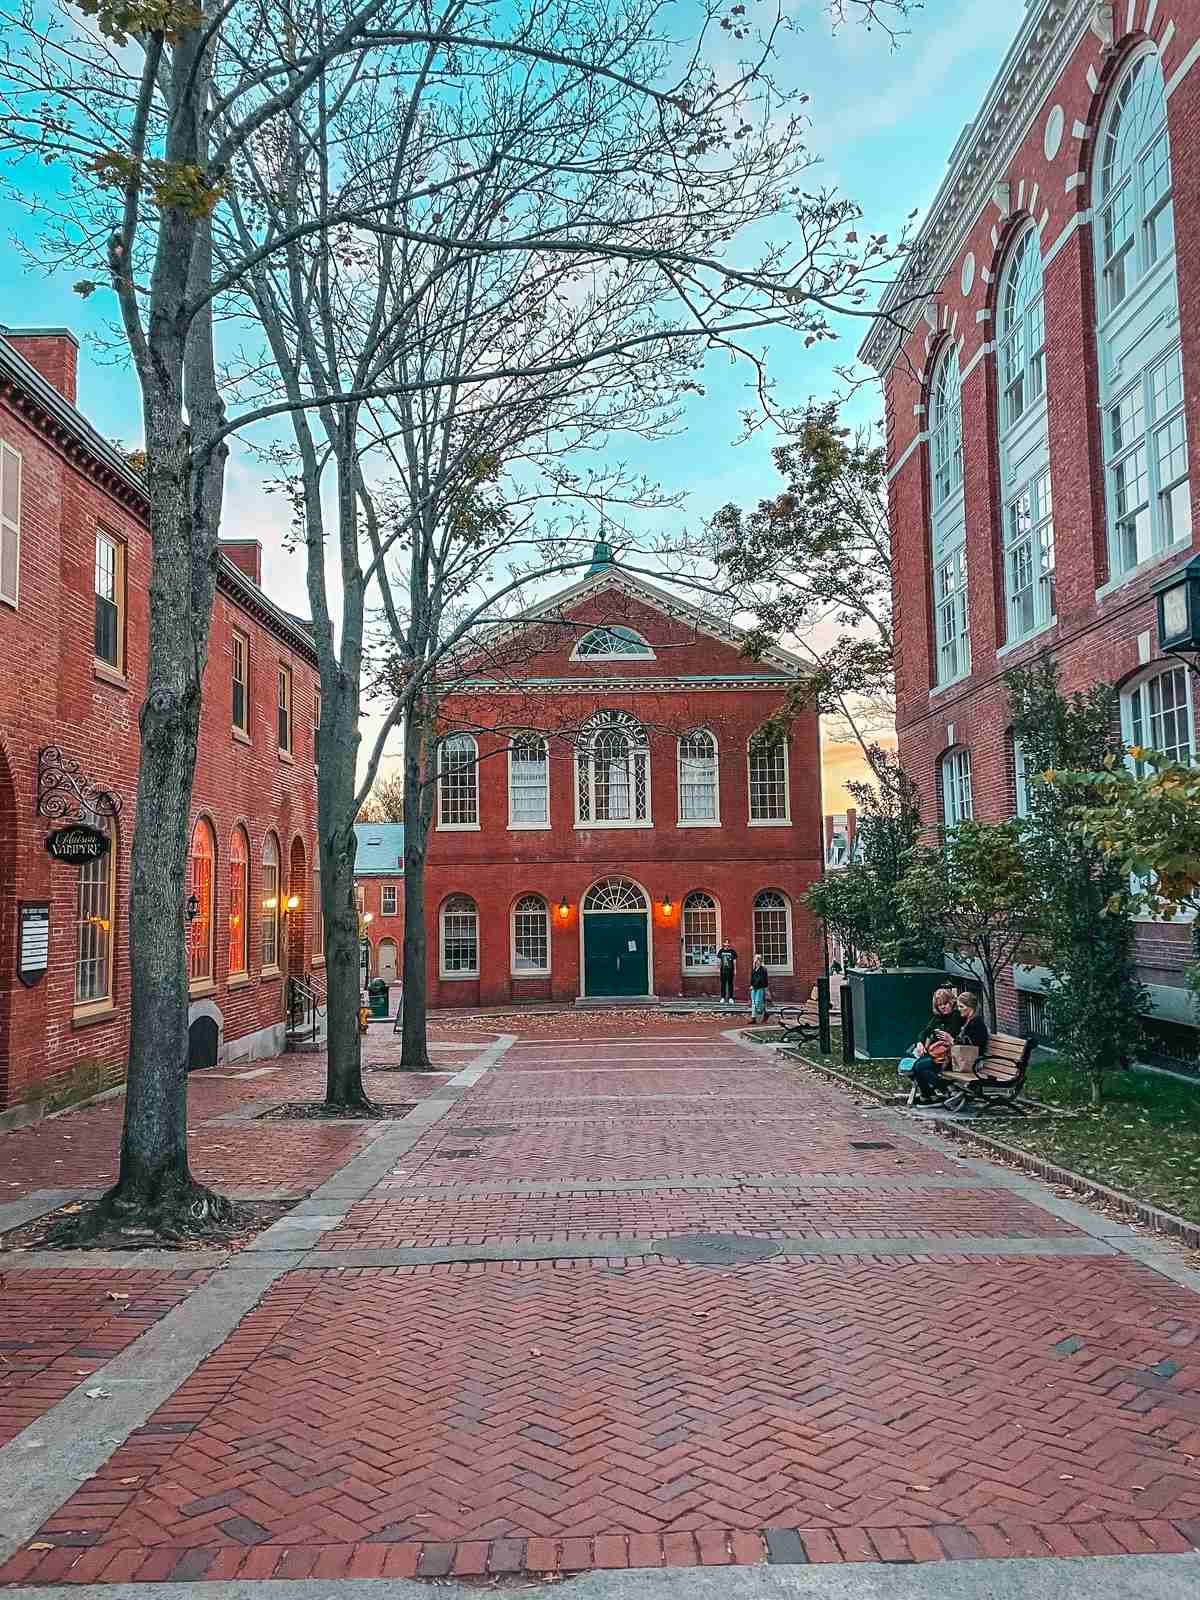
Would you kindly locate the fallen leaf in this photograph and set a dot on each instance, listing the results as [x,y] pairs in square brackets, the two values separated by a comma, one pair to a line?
[130,1480]
[41,1544]
[114,1296]
[98,1394]
[535,1351]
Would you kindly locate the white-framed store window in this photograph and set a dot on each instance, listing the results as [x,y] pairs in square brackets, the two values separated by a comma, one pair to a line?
[612,773]
[768,780]
[957,802]
[699,792]
[773,930]
[700,929]
[459,937]
[528,783]
[458,784]
[530,937]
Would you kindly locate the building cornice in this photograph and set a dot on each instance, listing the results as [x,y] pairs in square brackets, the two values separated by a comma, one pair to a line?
[591,686]
[244,592]
[1048,35]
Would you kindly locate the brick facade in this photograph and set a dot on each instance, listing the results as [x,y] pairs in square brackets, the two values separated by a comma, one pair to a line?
[1035,161]
[55,692]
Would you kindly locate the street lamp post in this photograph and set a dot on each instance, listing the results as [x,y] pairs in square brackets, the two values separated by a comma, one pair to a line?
[1178,601]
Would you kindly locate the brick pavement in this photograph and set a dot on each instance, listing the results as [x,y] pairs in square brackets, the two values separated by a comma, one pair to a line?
[553,1416]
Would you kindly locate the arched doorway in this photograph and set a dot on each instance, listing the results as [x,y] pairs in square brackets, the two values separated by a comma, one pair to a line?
[297,891]
[616,939]
[387,960]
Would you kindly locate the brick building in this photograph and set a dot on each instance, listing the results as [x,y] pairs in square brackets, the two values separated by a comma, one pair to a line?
[1042,411]
[74,576]
[640,820]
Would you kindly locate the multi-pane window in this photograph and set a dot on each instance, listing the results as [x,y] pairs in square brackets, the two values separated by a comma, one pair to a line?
[768,766]
[952,617]
[1146,439]
[945,429]
[1023,329]
[95,916]
[318,915]
[201,858]
[701,935]
[110,599]
[1158,715]
[528,783]
[531,935]
[613,640]
[388,906]
[458,782]
[698,777]
[612,773]
[239,903]
[773,930]
[460,938]
[241,682]
[1029,558]
[269,926]
[957,804]
[284,704]
[10,523]
[1136,215]
[1021,777]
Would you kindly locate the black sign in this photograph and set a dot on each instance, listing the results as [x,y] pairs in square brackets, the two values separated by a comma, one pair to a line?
[77,844]
[33,941]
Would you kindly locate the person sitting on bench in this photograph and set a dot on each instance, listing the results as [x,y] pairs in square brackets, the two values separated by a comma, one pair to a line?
[932,1050]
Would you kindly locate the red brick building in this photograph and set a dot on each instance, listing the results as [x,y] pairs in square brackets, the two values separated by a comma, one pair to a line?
[74,575]
[639,822]
[1042,410]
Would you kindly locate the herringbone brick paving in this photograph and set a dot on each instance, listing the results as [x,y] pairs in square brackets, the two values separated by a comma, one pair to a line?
[520,1416]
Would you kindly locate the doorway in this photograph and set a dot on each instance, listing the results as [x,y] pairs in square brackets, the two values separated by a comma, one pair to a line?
[616,939]
[387,960]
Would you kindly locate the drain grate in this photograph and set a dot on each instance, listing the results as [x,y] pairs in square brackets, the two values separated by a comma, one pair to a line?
[455,1155]
[485,1133]
[869,1144]
[716,1249]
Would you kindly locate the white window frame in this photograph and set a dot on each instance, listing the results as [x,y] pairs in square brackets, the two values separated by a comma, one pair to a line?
[525,900]
[462,739]
[528,827]
[945,428]
[952,618]
[1030,539]
[11,461]
[96,924]
[958,800]
[700,969]
[270,918]
[782,970]
[785,820]
[1139,249]
[1158,417]
[1022,335]
[1137,706]
[450,907]
[1021,778]
[714,760]
[614,630]
[388,891]
[604,723]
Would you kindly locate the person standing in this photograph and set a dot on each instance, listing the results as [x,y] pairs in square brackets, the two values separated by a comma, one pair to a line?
[727,965]
[759,983]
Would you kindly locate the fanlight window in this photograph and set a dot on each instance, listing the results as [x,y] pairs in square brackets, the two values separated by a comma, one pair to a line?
[698,777]
[613,772]
[1023,328]
[614,894]
[700,932]
[1136,217]
[946,427]
[613,640]
[531,935]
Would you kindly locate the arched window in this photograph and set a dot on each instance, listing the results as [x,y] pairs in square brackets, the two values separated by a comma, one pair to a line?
[1022,328]
[530,936]
[768,770]
[239,903]
[698,795]
[957,802]
[269,925]
[701,932]
[614,894]
[528,782]
[612,773]
[773,930]
[95,920]
[201,861]
[1156,714]
[460,937]
[613,641]
[1141,373]
[458,785]
[945,426]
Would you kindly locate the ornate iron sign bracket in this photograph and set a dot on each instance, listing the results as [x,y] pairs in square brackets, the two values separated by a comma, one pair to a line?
[64,791]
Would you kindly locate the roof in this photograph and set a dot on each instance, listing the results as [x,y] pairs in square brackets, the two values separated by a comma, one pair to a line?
[380,850]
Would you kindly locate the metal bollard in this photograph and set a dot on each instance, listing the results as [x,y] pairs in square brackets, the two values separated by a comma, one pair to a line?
[847,1027]
[825,1038]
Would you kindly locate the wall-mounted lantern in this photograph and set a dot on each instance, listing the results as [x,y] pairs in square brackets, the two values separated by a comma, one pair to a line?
[564,910]
[1178,601]
[191,907]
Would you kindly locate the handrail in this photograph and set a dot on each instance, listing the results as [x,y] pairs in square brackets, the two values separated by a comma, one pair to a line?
[305,1006]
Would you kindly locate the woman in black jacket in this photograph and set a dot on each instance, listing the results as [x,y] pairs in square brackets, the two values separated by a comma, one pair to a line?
[932,1049]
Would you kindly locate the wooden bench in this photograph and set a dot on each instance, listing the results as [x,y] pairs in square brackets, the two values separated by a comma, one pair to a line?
[997,1077]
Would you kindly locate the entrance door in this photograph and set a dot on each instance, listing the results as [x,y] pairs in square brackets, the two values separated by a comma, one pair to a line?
[387,960]
[615,953]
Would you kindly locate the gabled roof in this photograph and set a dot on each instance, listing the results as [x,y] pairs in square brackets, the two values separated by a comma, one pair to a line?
[380,850]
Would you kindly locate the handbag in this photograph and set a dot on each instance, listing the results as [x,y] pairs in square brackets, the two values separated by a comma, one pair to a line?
[938,1051]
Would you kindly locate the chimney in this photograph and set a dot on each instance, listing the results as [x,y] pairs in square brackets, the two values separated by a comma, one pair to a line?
[54,352]
[246,555]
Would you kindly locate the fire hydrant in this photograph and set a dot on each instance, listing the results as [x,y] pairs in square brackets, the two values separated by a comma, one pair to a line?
[363,1013]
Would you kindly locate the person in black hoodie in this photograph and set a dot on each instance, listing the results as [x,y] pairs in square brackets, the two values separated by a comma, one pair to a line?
[932,1049]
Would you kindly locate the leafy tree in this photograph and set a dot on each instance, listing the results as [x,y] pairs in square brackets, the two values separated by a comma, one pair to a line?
[1094,998]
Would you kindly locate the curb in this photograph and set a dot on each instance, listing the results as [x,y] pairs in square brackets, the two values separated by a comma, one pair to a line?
[1165,1222]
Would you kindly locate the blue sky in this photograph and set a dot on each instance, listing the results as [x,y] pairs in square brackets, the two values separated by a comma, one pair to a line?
[883,123]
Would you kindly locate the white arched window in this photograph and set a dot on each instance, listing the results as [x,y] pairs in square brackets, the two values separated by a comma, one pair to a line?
[458,783]
[528,782]
[949,528]
[530,937]
[958,804]
[614,894]
[773,930]
[460,937]
[612,773]
[1156,713]
[699,802]
[945,426]
[613,642]
[1141,371]
[1022,328]
[701,932]
[767,763]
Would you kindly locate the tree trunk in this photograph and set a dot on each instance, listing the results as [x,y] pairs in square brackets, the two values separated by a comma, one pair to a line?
[338,751]
[418,804]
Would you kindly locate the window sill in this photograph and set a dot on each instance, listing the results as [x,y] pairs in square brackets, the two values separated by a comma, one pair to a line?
[530,972]
[241,735]
[950,683]
[770,822]
[529,827]
[201,989]
[287,758]
[458,827]
[88,1016]
[1162,558]
[270,974]
[610,827]
[107,673]
[1027,638]
[238,980]
[710,822]
[317,961]
[781,972]
[458,977]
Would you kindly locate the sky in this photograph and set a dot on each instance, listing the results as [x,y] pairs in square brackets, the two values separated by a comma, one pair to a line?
[883,123]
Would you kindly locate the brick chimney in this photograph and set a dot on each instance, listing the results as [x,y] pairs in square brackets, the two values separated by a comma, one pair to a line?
[246,555]
[54,352]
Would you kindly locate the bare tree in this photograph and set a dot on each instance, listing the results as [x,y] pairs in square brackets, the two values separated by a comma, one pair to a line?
[385,802]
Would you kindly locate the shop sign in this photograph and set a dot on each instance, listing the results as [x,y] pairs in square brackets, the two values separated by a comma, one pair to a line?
[77,844]
[33,941]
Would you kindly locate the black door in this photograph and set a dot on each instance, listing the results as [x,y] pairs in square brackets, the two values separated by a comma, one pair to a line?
[203,1037]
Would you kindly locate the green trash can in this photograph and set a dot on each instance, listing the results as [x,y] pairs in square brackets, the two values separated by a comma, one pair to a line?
[377,989]
[890,1007]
